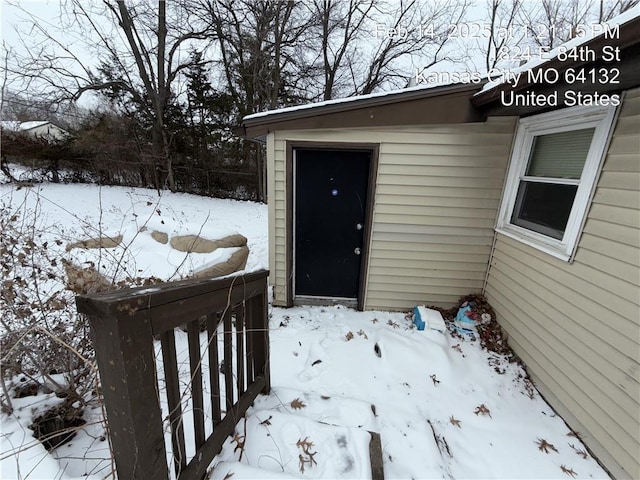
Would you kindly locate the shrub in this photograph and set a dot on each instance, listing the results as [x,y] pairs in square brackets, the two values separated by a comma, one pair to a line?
[43,338]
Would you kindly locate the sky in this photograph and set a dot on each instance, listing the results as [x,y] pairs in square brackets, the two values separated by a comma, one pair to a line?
[12,18]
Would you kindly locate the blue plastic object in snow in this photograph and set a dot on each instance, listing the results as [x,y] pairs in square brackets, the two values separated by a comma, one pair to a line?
[417,319]
[428,319]
[462,322]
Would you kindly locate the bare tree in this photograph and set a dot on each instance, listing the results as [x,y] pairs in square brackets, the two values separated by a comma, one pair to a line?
[608,9]
[139,48]
[341,25]
[544,22]
[366,46]
[553,22]
[256,45]
[427,42]
[3,160]
[278,53]
[502,31]
[260,66]
[5,63]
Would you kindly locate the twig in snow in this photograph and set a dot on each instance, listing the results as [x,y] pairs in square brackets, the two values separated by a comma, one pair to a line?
[579,451]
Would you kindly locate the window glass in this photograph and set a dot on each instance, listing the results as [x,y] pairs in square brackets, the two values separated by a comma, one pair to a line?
[560,155]
[544,207]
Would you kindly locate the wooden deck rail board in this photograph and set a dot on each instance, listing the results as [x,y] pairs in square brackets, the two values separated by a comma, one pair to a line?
[214,371]
[116,302]
[239,315]
[164,316]
[172,383]
[195,369]
[228,359]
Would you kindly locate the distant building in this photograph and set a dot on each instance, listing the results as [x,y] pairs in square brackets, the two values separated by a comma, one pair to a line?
[40,129]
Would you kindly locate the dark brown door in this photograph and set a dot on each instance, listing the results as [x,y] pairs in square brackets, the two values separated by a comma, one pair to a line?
[330,215]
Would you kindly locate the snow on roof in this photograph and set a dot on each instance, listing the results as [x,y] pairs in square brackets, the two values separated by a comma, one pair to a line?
[22,126]
[336,101]
[33,124]
[590,34]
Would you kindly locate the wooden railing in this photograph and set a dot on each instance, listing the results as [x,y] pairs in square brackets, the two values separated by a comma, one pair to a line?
[143,400]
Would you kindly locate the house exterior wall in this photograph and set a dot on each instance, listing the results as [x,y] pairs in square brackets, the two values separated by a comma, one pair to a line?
[436,198]
[577,325]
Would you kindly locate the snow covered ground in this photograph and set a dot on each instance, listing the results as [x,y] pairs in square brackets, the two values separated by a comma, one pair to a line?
[443,406]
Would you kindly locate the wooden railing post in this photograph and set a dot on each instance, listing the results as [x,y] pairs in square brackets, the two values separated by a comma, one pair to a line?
[125,343]
[259,332]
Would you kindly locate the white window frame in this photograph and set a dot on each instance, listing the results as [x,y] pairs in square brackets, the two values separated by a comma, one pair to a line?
[574,118]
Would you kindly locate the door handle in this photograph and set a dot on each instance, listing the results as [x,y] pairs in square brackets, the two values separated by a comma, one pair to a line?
[357,251]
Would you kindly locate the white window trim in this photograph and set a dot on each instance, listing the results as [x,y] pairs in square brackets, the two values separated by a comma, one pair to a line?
[575,118]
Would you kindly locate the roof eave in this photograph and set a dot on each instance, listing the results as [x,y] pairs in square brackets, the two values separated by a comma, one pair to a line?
[259,126]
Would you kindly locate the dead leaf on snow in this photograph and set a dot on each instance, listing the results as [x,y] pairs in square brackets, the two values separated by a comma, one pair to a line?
[434,379]
[297,404]
[393,324]
[482,409]
[305,444]
[349,336]
[568,471]
[362,334]
[545,446]
[374,321]
[454,421]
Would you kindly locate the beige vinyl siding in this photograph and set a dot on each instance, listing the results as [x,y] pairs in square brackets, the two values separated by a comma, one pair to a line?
[436,199]
[436,203]
[577,325]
